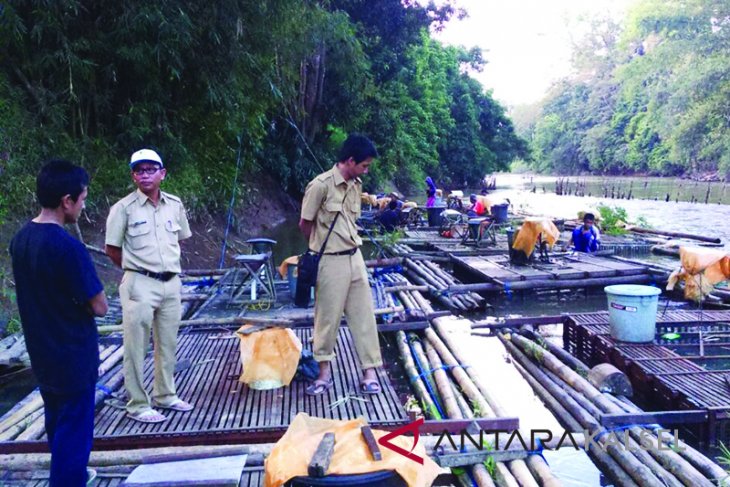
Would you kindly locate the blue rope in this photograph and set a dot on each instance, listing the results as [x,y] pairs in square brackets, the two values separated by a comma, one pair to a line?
[426,382]
[385,270]
[443,367]
[104,389]
[539,450]
[206,281]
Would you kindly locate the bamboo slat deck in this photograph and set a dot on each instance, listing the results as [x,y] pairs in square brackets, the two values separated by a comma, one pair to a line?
[227,409]
[571,267]
[661,377]
[253,476]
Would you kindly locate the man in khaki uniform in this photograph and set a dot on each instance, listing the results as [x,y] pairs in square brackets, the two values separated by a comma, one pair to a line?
[143,231]
[342,281]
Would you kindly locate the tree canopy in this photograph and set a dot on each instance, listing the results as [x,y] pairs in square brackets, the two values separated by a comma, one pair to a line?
[93,81]
[649,96]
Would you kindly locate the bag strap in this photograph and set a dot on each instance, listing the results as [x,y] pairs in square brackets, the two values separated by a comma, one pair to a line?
[332,226]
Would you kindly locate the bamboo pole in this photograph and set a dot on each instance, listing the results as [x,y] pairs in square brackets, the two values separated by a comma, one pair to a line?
[414,377]
[457,358]
[16,428]
[481,476]
[688,236]
[420,358]
[446,391]
[669,460]
[503,477]
[33,403]
[521,473]
[541,471]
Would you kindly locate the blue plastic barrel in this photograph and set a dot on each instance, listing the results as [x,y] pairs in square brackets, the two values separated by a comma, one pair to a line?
[499,212]
[632,312]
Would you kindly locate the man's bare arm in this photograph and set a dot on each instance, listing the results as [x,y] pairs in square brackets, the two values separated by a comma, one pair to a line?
[306,227]
[98,304]
[114,253]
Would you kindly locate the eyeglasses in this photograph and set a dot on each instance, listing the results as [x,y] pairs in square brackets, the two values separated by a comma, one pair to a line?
[145,170]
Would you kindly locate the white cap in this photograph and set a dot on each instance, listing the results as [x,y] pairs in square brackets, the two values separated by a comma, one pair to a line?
[145,155]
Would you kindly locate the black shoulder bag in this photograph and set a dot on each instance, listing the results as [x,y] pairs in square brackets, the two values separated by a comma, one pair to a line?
[307,270]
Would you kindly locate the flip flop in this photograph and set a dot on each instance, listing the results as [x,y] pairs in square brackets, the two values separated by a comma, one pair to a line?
[147,416]
[370,387]
[176,405]
[318,387]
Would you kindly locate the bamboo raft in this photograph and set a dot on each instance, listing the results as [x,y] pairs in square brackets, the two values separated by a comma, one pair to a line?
[663,378]
[563,272]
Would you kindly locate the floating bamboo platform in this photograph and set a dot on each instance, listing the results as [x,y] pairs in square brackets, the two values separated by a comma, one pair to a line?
[562,272]
[663,378]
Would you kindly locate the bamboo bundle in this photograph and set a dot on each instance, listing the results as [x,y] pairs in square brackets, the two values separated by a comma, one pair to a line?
[427,273]
[665,464]
[456,358]
[481,476]
[16,428]
[428,406]
[32,403]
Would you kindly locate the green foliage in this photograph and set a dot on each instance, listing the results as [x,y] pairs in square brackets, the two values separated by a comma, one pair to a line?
[285,80]
[651,98]
[612,219]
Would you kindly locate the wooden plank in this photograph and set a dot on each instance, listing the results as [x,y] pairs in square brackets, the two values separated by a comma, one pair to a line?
[367,435]
[404,326]
[654,417]
[320,461]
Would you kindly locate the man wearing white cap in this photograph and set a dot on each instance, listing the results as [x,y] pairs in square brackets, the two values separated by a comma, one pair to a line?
[143,232]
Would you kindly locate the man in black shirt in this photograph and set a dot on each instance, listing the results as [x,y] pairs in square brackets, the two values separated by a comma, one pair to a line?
[58,295]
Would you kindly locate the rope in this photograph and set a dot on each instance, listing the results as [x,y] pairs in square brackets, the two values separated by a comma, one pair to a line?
[230,205]
[443,367]
[104,389]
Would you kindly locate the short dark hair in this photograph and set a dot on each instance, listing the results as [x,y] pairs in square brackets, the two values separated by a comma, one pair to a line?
[359,147]
[589,217]
[57,179]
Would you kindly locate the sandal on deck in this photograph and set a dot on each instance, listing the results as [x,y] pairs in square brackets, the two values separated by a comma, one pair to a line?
[147,416]
[370,387]
[176,405]
[318,387]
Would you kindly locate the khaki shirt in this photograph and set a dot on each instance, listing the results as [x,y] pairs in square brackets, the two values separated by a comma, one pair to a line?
[326,195]
[148,236]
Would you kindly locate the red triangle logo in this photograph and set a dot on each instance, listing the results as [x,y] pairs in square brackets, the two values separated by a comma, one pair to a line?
[409,428]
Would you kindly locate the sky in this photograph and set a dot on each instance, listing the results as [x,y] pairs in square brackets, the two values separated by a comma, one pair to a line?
[527,43]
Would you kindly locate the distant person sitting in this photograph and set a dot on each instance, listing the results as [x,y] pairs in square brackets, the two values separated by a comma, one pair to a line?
[390,217]
[394,197]
[477,207]
[586,238]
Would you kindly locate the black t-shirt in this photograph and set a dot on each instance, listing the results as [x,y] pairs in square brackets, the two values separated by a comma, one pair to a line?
[55,279]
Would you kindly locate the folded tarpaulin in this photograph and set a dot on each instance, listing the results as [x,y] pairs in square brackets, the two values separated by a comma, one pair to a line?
[269,357]
[292,453]
[701,270]
[531,229]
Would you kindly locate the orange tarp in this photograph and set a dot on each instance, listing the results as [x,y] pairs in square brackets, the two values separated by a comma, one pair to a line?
[284,267]
[291,455]
[701,270]
[533,227]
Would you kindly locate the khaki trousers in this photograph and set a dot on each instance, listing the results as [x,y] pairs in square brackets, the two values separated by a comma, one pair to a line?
[149,303]
[342,286]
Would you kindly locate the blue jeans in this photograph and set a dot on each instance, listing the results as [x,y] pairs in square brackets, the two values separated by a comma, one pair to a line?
[70,430]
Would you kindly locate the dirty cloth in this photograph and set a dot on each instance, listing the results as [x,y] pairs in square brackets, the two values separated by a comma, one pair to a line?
[291,455]
[269,357]
[701,270]
[531,229]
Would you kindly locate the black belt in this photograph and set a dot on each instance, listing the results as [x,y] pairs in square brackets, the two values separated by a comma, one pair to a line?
[344,252]
[160,276]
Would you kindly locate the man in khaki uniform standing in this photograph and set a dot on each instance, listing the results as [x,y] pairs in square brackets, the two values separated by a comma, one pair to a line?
[342,281]
[143,231]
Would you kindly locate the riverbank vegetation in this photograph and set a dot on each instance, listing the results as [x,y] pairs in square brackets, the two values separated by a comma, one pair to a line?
[649,96]
[283,81]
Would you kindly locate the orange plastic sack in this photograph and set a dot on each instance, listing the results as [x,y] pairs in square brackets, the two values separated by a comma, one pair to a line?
[270,357]
[533,227]
[284,267]
[701,270]
[291,454]
[486,202]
